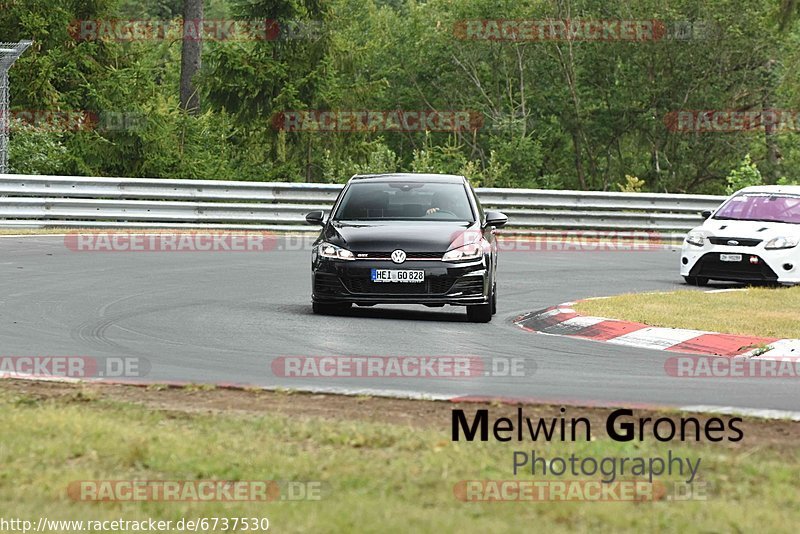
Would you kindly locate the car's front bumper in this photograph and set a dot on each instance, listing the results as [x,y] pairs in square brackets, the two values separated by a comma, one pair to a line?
[458,284]
[779,266]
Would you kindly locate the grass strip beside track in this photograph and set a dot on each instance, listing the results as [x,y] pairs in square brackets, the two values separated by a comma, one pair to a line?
[763,312]
[388,464]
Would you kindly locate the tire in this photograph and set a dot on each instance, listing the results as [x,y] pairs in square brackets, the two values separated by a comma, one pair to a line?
[698,281]
[480,313]
[329,308]
[494,299]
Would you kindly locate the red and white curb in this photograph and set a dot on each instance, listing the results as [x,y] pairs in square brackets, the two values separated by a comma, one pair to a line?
[563,320]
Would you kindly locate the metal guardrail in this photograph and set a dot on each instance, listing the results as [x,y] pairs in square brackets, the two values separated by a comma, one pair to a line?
[64,201]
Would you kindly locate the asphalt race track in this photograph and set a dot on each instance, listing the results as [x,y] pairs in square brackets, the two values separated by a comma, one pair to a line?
[224,316]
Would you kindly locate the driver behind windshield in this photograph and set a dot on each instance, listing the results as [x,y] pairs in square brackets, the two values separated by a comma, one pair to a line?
[441,202]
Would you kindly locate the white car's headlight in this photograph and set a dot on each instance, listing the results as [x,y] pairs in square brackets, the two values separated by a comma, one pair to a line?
[696,238]
[473,251]
[781,242]
[327,250]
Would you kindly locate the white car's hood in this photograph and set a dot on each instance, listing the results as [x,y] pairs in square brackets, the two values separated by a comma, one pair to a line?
[749,229]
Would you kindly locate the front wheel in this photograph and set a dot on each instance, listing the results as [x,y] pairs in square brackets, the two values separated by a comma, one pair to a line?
[481,313]
[698,281]
[494,299]
[329,308]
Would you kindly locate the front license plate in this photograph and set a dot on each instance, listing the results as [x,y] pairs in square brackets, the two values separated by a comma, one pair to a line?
[730,257]
[391,275]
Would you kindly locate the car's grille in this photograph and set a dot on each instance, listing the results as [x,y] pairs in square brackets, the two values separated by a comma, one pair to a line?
[410,256]
[710,266]
[432,286]
[738,241]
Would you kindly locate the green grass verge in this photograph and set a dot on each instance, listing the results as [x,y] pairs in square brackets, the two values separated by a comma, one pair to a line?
[380,477]
[767,312]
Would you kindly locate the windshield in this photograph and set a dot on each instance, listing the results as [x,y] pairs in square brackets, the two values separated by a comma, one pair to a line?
[766,207]
[404,201]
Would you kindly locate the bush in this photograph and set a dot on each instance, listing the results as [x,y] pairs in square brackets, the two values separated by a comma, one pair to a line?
[745,176]
[36,151]
[632,184]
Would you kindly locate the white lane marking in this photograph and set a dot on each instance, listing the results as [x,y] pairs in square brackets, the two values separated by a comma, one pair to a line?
[584,321]
[729,290]
[25,376]
[656,338]
[33,235]
[747,412]
[371,392]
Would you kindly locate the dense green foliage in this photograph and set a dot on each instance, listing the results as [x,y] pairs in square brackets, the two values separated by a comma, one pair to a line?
[556,114]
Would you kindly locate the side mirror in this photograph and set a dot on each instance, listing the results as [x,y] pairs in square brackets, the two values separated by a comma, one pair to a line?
[496,219]
[706,214]
[315,217]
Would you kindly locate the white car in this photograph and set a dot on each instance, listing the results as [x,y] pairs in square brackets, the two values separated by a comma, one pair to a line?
[752,237]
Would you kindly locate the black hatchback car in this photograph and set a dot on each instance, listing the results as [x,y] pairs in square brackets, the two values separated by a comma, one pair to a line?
[406,239]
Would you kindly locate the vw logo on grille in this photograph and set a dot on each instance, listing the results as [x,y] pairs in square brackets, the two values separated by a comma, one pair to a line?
[733,242]
[398,256]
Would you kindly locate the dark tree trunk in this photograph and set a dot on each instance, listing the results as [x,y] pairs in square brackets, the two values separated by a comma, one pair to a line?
[191,54]
[774,157]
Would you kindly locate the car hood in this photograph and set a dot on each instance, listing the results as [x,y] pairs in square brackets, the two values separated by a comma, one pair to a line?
[430,236]
[749,229]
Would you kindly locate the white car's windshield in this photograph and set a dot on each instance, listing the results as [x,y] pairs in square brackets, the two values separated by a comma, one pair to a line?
[765,207]
[376,201]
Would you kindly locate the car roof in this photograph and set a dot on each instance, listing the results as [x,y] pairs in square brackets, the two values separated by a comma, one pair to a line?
[792,189]
[409,177]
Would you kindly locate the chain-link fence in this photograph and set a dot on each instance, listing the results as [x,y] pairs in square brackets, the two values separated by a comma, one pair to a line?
[9,52]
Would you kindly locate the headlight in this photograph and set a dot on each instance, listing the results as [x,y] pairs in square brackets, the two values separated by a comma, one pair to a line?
[473,251]
[696,238]
[781,242]
[326,250]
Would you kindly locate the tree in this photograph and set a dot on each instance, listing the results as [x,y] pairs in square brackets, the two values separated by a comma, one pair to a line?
[788,12]
[191,52]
